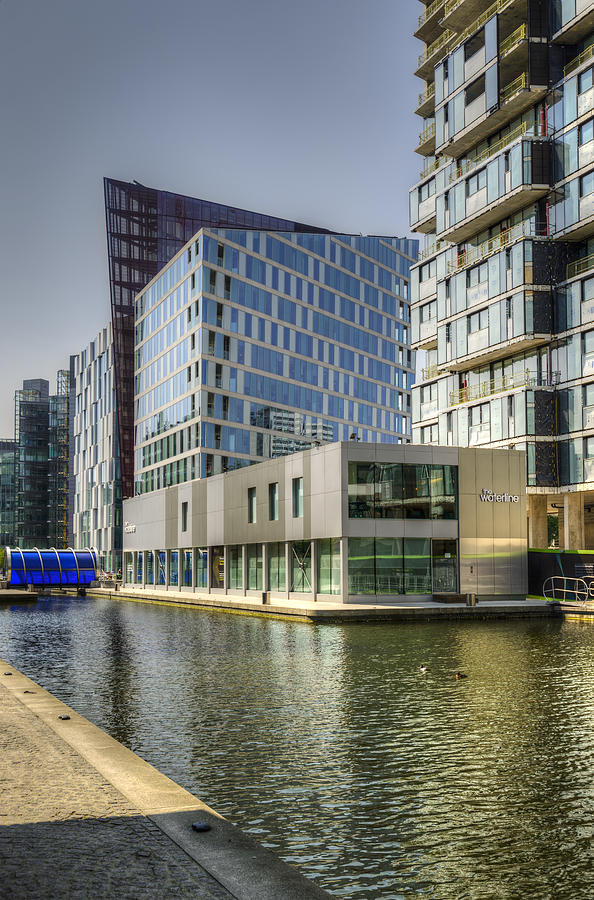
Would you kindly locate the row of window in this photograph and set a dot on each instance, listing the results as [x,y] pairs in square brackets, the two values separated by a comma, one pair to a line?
[402,491]
[296,501]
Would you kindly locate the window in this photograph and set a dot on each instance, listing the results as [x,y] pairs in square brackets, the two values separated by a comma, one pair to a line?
[586,132]
[428,270]
[428,311]
[477,275]
[329,566]
[587,184]
[585,81]
[273,502]
[475,90]
[427,190]
[478,320]
[476,183]
[276,567]
[476,43]
[189,254]
[479,415]
[235,567]
[219,318]
[251,505]
[297,498]
[254,567]
[211,343]
[220,254]
[184,516]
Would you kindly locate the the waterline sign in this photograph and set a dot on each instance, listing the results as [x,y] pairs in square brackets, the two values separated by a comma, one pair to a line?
[488,496]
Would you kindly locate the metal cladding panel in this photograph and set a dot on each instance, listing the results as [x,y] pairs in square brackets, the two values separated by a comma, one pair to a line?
[493,542]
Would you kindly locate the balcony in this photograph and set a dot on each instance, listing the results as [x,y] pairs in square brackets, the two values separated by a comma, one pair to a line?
[488,206]
[428,28]
[514,99]
[579,26]
[426,145]
[426,103]
[491,353]
[432,249]
[433,53]
[457,13]
[426,216]
[580,266]
[489,248]
[579,61]
[473,162]
[428,373]
[494,387]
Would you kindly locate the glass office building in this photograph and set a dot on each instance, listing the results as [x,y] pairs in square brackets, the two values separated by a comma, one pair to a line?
[97,515]
[253,344]
[7,491]
[502,296]
[145,229]
[41,464]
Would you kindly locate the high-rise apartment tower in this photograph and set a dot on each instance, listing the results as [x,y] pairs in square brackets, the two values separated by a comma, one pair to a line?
[503,294]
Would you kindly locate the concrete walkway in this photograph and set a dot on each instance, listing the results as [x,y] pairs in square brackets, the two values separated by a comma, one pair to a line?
[83,817]
[413,610]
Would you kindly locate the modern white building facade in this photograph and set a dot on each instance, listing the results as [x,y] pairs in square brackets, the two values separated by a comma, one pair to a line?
[97,520]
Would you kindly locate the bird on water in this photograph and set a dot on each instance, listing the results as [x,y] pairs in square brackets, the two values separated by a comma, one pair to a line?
[460,675]
[423,669]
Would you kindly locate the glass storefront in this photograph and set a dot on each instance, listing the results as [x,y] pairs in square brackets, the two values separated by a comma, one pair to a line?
[235,567]
[162,566]
[301,567]
[254,567]
[402,566]
[445,566]
[150,567]
[139,568]
[217,570]
[328,566]
[174,568]
[187,572]
[402,491]
[277,580]
[201,557]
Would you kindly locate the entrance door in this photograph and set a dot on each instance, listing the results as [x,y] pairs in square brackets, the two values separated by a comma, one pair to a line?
[444,566]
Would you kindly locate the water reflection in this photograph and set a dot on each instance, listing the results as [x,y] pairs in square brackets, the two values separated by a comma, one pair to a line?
[330,747]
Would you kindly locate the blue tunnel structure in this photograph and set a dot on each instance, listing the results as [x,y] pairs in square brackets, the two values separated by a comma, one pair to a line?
[50,568]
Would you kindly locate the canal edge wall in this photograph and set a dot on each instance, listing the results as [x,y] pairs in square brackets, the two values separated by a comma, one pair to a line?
[236,861]
[320,613]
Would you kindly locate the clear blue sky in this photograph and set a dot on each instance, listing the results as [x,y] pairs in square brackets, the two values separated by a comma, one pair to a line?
[299,108]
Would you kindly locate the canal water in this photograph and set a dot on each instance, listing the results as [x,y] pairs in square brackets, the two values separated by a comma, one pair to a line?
[329,747]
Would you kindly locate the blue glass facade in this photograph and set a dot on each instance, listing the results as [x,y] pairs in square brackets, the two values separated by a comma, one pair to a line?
[250,345]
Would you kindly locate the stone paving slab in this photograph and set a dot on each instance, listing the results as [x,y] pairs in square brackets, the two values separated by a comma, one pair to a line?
[66,832]
[83,817]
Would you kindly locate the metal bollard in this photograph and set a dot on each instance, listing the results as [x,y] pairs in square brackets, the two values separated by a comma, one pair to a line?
[266,597]
[470,599]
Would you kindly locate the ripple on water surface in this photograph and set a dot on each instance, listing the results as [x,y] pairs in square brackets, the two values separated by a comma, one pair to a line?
[330,747]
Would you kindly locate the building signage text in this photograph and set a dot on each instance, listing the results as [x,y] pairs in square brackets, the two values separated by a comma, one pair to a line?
[488,496]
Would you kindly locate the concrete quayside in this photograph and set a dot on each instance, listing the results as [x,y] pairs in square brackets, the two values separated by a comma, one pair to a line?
[84,816]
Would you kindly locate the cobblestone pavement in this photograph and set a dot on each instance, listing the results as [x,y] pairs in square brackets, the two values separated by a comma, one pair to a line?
[65,832]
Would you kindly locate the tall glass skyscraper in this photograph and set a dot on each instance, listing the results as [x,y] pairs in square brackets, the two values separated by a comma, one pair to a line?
[503,292]
[145,229]
[251,344]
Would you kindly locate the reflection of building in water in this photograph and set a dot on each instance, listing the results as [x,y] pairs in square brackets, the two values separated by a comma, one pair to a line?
[343,521]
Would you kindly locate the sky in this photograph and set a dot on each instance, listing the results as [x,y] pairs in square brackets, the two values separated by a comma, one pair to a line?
[298,109]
